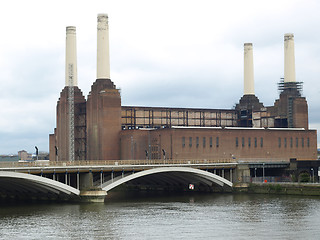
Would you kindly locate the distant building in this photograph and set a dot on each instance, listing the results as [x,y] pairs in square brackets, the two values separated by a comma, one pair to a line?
[24,155]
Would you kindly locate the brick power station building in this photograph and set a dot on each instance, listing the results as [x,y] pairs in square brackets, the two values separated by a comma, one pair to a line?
[100,128]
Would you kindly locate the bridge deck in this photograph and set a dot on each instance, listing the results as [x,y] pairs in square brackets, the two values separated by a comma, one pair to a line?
[122,165]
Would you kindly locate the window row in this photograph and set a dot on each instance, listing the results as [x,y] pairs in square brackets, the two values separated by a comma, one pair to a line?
[204,141]
[254,142]
[286,142]
[291,143]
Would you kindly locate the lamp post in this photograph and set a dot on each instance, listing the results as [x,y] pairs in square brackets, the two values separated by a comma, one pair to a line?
[312,175]
[263,172]
[164,155]
[255,174]
[37,152]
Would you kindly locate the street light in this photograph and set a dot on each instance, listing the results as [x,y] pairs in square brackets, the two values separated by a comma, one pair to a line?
[37,151]
[263,172]
[312,175]
[164,154]
[255,174]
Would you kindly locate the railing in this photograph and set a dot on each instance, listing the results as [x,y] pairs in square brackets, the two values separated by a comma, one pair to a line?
[44,163]
[262,160]
[266,179]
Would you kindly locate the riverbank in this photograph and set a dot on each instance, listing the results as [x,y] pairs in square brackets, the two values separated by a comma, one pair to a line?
[302,189]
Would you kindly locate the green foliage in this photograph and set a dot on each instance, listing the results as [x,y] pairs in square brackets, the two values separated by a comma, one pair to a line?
[304,177]
[275,187]
[293,178]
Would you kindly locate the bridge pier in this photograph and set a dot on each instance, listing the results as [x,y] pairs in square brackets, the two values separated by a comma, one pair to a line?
[243,173]
[89,192]
[93,195]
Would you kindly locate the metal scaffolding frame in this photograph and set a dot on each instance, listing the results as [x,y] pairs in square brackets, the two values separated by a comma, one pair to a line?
[71,112]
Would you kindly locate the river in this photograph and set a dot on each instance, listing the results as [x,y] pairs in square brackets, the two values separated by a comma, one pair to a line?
[195,216]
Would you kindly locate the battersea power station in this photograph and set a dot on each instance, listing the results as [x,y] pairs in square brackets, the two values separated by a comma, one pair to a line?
[100,128]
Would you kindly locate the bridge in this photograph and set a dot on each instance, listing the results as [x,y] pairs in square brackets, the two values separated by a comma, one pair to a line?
[91,181]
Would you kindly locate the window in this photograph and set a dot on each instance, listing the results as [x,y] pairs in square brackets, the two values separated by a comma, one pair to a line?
[255,142]
[190,141]
[279,142]
[308,142]
[197,142]
[242,140]
[237,142]
[291,142]
[285,142]
[297,142]
[183,141]
[261,142]
[217,141]
[210,141]
[249,142]
[302,142]
[204,142]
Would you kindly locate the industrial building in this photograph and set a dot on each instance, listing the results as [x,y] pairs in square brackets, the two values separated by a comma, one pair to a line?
[100,128]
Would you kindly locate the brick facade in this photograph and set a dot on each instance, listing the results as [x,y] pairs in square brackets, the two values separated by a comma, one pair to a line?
[219,144]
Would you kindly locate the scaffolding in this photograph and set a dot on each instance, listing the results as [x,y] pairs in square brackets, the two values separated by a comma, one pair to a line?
[295,88]
[157,117]
[71,112]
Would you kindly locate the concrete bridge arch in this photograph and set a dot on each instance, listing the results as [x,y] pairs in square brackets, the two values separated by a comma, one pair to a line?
[183,175]
[28,186]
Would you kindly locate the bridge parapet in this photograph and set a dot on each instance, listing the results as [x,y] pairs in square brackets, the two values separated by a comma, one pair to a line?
[112,162]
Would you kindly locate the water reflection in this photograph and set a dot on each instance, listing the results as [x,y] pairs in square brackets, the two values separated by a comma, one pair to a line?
[158,216]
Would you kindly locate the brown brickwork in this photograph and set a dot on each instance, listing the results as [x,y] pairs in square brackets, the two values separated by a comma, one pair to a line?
[52,145]
[62,130]
[220,144]
[300,113]
[184,133]
[103,121]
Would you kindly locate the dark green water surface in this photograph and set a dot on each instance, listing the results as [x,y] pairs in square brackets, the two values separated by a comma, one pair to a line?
[209,216]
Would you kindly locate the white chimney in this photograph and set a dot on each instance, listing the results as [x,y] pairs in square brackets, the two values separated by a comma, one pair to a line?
[103,64]
[71,57]
[289,60]
[248,88]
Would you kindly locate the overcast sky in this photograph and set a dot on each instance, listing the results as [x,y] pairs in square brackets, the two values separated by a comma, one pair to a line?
[163,53]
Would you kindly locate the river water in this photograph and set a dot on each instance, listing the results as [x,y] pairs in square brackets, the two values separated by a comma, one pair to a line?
[196,216]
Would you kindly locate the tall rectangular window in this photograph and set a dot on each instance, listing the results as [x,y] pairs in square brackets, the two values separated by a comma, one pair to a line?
[217,141]
[190,141]
[308,142]
[197,141]
[210,141]
[204,142]
[291,142]
[279,142]
[297,142]
[285,142]
[255,142]
[302,142]
[183,141]
[261,142]
[242,141]
[249,142]
[237,142]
